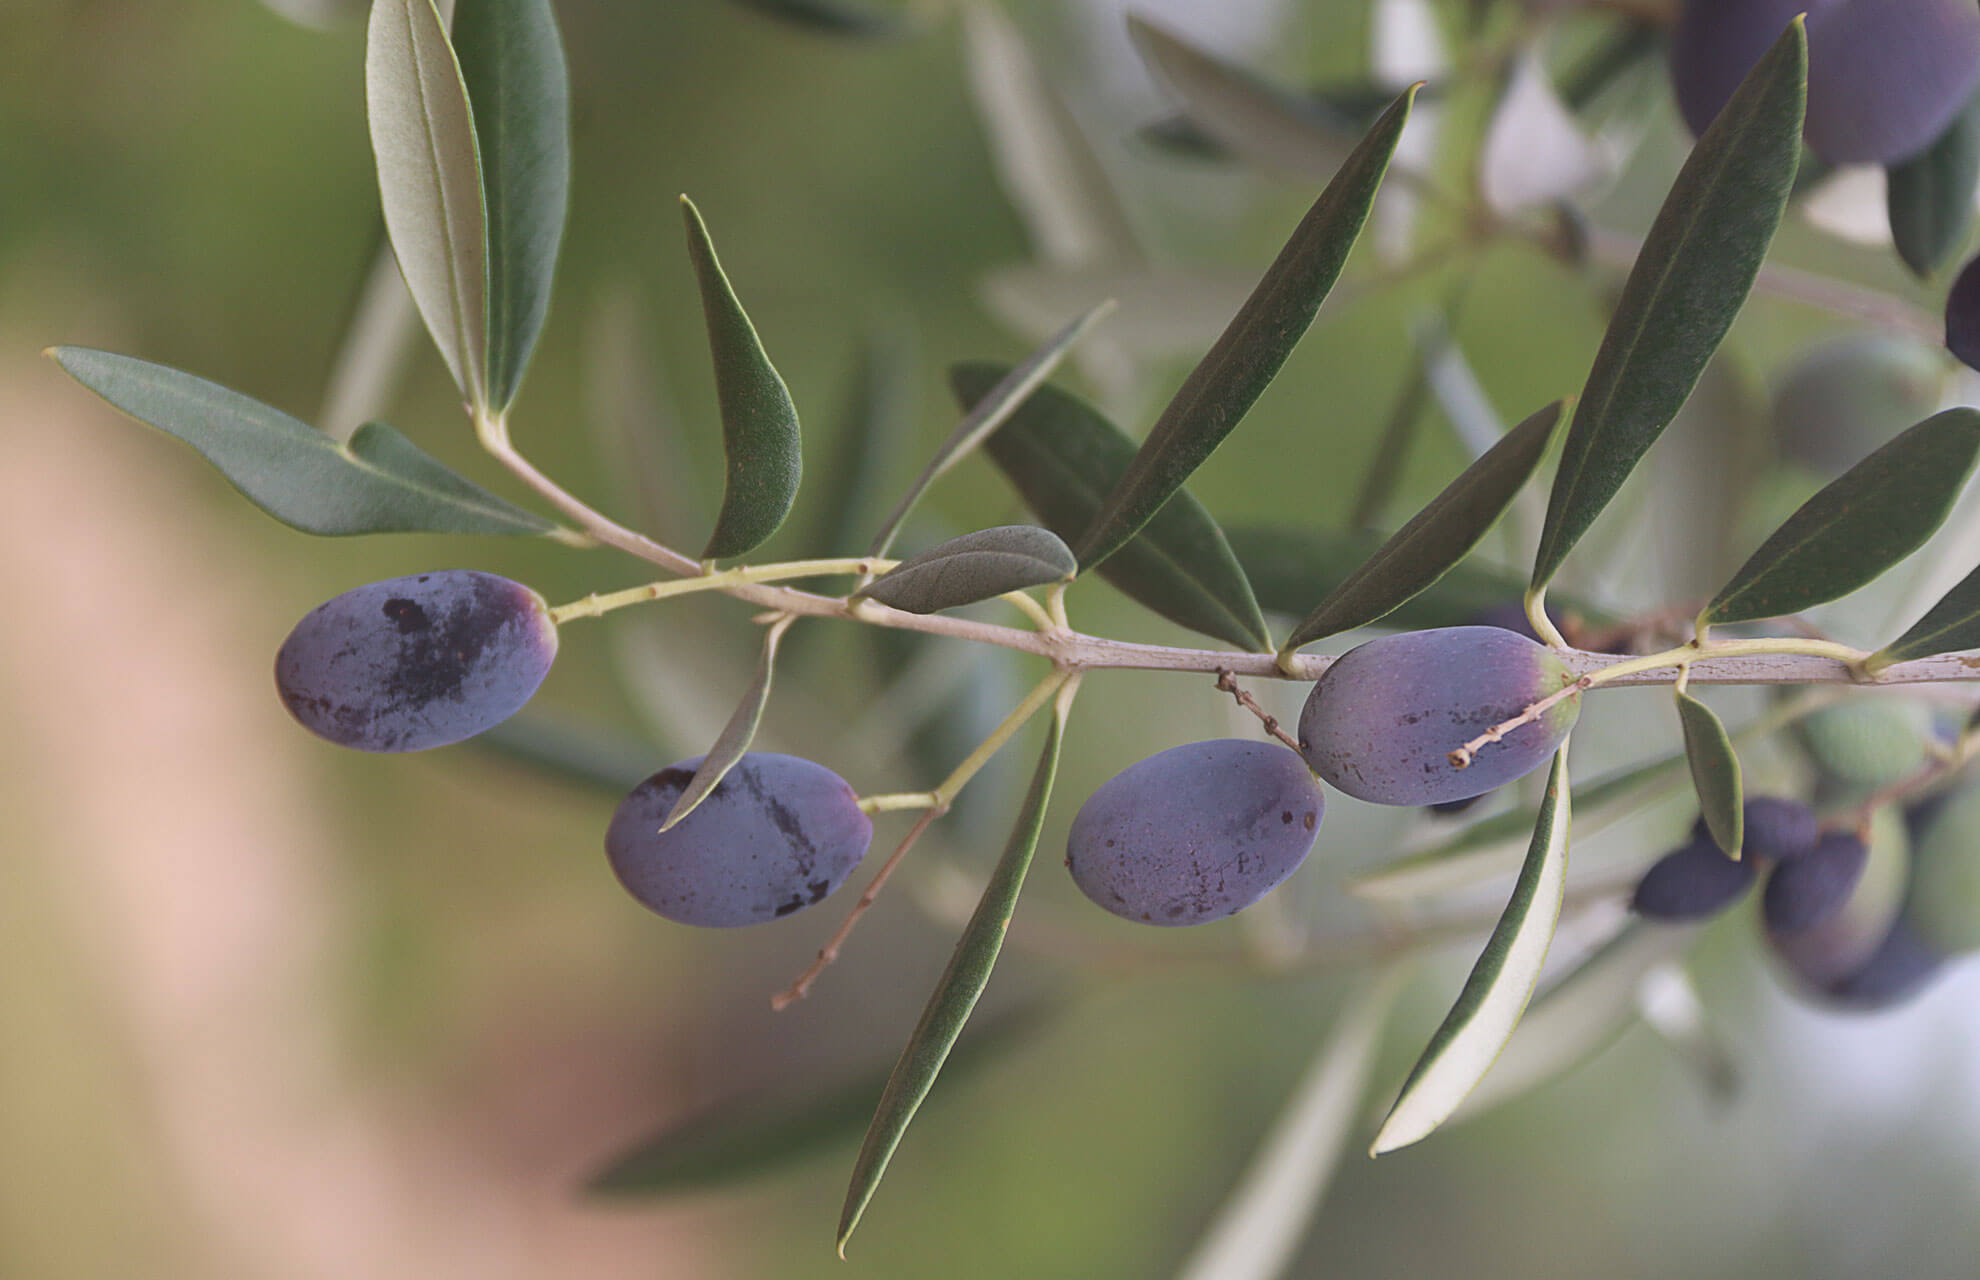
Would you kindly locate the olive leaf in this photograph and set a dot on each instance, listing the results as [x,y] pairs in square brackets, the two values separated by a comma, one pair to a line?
[1715,772]
[956,992]
[1690,279]
[835,17]
[1866,520]
[1240,364]
[1947,627]
[429,180]
[1464,1047]
[1062,456]
[760,436]
[379,482]
[512,62]
[736,735]
[1930,197]
[1439,536]
[976,566]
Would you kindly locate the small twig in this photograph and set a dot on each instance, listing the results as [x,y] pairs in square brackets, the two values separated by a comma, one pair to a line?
[1227,681]
[1463,756]
[830,951]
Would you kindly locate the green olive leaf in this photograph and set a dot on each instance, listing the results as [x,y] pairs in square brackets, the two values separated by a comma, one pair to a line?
[1947,627]
[840,18]
[1245,359]
[1236,111]
[976,566]
[380,482]
[1063,456]
[1464,1047]
[752,1136]
[1866,520]
[1690,279]
[736,735]
[1715,773]
[512,61]
[986,413]
[956,992]
[1930,197]
[429,180]
[760,436]
[1439,536]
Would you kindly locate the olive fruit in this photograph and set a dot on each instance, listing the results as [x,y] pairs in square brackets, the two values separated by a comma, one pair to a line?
[1195,833]
[1384,718]
[776,835]
[416,662]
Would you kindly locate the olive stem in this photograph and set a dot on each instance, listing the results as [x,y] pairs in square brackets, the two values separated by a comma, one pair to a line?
[1228,683]
[598,604]
[895,801]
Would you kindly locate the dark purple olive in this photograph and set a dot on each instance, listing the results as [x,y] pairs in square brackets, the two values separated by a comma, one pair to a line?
[416,662]
[1384,718]
[1963,315]
[1195,833]
[1900,968]
[1776,828]
[1694,882]
[775,836]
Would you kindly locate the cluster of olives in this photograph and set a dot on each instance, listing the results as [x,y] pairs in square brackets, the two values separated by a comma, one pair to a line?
[1199,832]
[435,658]
[1859,919]
[1193,834]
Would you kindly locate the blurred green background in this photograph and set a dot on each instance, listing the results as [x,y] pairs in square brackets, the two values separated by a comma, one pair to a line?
[276,1010]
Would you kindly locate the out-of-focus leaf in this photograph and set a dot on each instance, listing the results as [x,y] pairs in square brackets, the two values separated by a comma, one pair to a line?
[1668,1003]
[1063,456]
[976,566]
[1534,152]
[1714,773]
[1287,566]
[1162,310]
[753,1136]
[512,61]
[956,992]
[1949,626]
[1440,535]
[1244,114]
[1872,516]
[760,434]
[736,736]
[1043,162]
[1579,1016]
[635,425]
[589,755]
[1237,368]
[1696,266]
[1256,1233]
[985,414]
[1464,1047]
[873,429]
[835,17]
[429,180]
[371,357]
[1931,194]
[1629,44]
[1963,315]
[380,482]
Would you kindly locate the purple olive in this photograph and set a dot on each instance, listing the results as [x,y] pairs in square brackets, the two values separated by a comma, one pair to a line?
[416,662]
[1694,882]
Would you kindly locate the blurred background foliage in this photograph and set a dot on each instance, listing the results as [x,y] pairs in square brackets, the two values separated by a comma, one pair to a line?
[276,1010]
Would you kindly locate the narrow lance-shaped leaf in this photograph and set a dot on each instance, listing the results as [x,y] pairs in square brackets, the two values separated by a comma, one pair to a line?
[1258,1230]
[1063,456]
[1396,443]
[754,1136]
[976,566]
[1464,1047]
[1866,520]
[512,61]
[1715,773]
[1691,276]
[736,735]
[1440,535]
[1239,365]
[1949,626]
[956,992]
[380,482]
[759,422]
[985,414]
[429,180]
[1930,197]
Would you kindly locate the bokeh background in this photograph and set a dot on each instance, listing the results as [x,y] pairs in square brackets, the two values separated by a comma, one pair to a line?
[274,1010]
